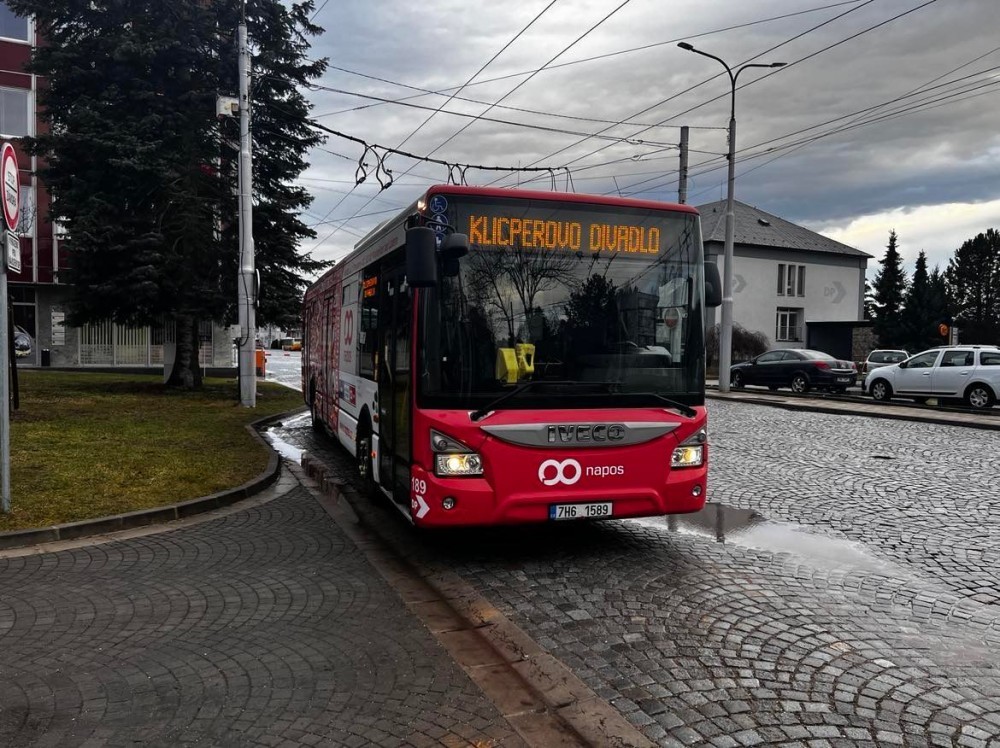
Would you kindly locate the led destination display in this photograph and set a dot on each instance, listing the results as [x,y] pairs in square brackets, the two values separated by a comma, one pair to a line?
[568,235]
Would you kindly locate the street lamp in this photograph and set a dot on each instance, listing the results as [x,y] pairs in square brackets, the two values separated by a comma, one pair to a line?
[726,331]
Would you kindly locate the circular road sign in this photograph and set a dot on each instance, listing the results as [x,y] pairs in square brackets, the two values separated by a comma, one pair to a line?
[671,317]
[11,186]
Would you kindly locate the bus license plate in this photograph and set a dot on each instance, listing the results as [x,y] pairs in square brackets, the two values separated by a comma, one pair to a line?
[580,511]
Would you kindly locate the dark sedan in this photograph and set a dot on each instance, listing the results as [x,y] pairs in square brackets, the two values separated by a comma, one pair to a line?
[798,368]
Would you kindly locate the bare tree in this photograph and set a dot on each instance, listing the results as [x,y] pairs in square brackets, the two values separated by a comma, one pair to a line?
[496,276]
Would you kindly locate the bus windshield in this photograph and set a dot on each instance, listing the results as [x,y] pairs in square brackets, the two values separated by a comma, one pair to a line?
[600,305]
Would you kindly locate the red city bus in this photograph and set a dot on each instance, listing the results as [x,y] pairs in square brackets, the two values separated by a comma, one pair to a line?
[495,356]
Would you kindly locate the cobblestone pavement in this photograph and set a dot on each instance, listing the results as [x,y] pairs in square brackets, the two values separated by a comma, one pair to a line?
[262,627]
[922,495]
[872,622]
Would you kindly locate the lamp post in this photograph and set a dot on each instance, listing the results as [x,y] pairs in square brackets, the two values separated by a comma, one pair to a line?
[726,331]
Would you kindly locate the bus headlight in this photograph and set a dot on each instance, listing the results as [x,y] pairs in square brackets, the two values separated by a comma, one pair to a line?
[691,452]
[452,457]
[458,464]
[688,457]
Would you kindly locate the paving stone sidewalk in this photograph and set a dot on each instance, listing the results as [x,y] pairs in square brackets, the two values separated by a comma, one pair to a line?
[262,627]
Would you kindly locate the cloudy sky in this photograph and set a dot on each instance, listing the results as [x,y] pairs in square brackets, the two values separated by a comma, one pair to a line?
[885,116]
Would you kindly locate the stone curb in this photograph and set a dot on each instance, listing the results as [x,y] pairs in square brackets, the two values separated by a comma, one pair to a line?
[157,515]
[909,414]
[556,707]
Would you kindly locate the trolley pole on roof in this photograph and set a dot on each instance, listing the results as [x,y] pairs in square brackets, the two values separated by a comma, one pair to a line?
[247,277]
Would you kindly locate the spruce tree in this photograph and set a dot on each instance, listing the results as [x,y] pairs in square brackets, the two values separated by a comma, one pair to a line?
[143,172]
[890,290]
[973,280]
[918,321]
[938,304]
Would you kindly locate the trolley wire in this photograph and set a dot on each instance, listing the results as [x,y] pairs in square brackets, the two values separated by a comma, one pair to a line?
[698,85]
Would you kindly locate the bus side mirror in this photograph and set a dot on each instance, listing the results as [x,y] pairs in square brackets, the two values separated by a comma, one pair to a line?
[421,257]
[713,285]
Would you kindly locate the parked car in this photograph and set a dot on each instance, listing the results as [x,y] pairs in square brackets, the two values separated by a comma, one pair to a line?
[879,358]
[799,368]
[23,344]
[291,344]
[962,372]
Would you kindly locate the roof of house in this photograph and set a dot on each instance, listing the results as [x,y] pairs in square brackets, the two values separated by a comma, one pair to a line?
[759,228]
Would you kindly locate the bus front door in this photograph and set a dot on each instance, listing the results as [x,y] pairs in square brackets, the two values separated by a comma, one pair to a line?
[394,390]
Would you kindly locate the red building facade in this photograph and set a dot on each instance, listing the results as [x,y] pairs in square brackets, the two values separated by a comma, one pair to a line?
[40,254]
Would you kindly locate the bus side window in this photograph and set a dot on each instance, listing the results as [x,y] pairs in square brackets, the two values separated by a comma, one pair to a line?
[368,333]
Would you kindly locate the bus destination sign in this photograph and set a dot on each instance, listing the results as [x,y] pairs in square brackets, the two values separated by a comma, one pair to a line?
[565,235]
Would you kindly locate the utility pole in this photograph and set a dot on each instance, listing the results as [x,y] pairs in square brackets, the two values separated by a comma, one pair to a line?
[726,327]
[247,279]
[682,183]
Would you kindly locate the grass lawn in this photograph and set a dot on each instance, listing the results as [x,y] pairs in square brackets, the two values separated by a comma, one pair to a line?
[86,445]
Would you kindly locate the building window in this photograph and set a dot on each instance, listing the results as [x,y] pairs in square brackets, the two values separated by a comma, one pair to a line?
[14,115]
[788,326]
[12,26]
[791,280]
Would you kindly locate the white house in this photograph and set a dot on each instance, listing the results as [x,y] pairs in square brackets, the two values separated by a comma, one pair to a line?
[785,277]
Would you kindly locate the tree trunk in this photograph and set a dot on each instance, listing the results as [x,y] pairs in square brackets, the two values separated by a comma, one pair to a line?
[186,373]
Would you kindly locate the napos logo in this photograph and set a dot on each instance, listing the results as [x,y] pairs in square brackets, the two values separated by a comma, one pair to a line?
[568,472]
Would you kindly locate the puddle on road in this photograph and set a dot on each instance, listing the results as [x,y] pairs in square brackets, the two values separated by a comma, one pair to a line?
[276,437]
[744,527]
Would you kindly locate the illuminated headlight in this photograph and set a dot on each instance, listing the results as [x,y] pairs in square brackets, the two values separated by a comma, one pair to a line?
[691,452]
[688,456]
[459,464]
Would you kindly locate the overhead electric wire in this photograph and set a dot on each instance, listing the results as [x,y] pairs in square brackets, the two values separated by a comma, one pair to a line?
[403,142]
[522,83]
[465,115]
[783,150]
[697,85]
[863,117]
[403,102]
[560,65]
[629,189]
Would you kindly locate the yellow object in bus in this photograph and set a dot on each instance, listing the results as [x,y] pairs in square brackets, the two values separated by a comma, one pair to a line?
[515,363]
[525,359]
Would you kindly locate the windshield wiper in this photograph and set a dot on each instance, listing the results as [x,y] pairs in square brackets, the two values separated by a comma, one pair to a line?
[478,414]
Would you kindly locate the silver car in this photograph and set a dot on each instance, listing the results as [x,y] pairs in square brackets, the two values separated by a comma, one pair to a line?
[964,372]
[881,357]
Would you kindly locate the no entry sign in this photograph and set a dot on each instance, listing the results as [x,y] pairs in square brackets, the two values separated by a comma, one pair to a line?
[11,186]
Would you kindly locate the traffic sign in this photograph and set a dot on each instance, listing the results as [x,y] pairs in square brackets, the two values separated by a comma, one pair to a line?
[13,252]
[11,186]
[943,330]
[671,317]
